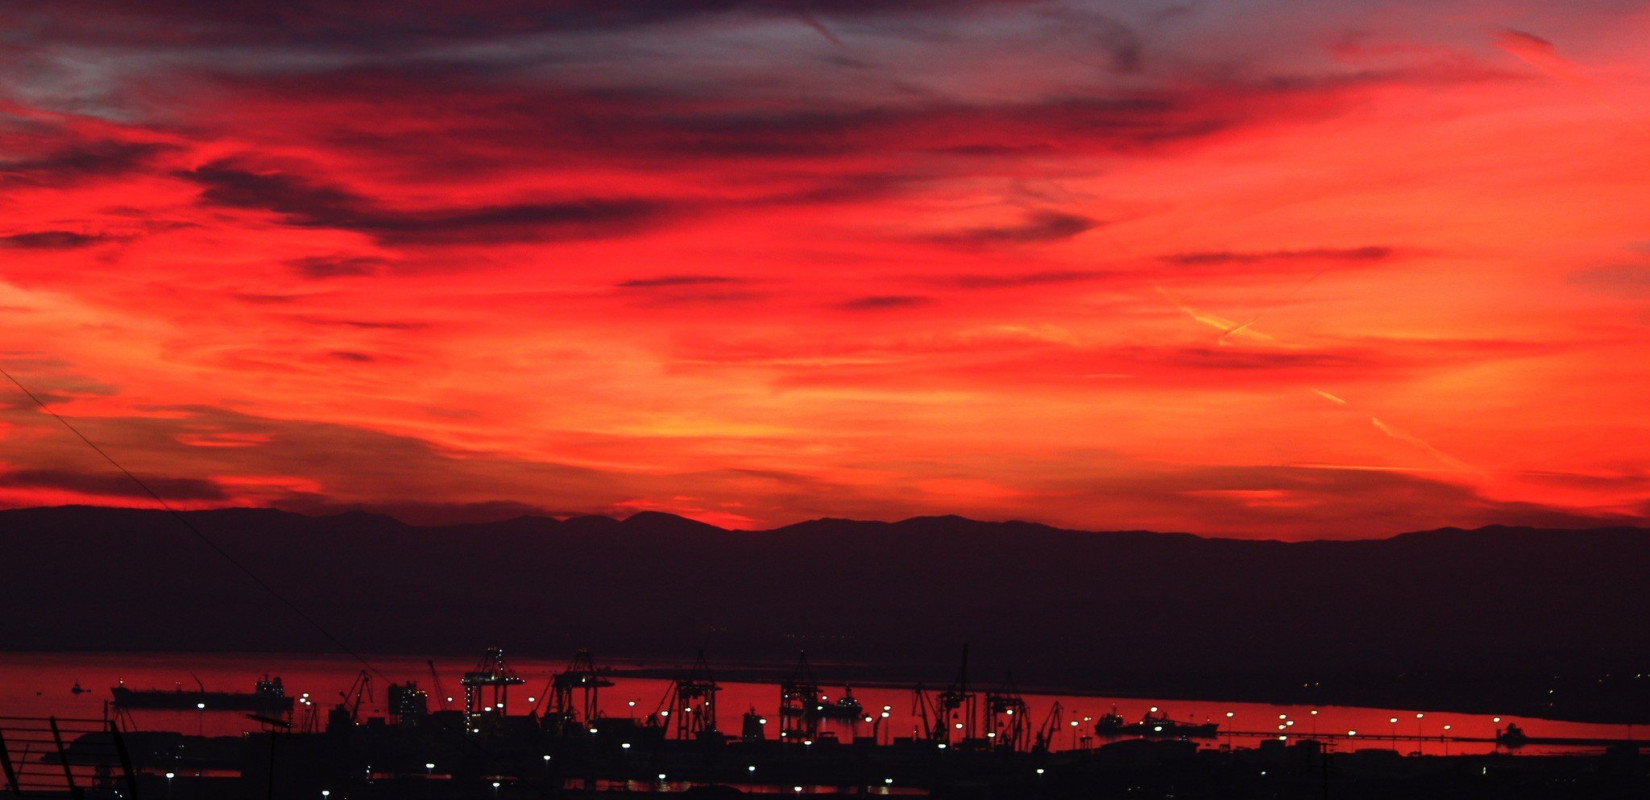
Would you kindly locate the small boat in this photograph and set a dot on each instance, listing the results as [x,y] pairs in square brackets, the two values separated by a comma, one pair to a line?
[1513,736]
[1152,726]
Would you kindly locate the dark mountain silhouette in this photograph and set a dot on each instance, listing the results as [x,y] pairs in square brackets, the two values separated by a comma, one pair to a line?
[1491,619]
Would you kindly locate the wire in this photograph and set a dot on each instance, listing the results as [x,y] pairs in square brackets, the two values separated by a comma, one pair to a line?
[200,534]
[247,571]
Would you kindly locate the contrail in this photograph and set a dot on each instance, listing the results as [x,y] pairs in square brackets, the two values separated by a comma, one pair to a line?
[1405,436]
[811,21]
[1331,398]
[1226,326]
[1541,54]
[1268,309]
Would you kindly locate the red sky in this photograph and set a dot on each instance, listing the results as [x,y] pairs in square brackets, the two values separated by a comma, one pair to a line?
[1260,269]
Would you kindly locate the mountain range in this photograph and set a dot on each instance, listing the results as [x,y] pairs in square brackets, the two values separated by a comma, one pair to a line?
[1498,619]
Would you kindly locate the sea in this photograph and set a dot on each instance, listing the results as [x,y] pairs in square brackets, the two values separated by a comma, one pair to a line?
[75,685]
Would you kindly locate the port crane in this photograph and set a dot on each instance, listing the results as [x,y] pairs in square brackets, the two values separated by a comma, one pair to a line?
[1044,740]
[492,672]
[440,693]
[799,703]
[692,699]
[1007,718]
[953,710]
[581,677]
[348,712]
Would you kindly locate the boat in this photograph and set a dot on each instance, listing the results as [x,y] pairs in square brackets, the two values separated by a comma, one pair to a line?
[1152,725]
[267,697]
[846,708]
[1513,736]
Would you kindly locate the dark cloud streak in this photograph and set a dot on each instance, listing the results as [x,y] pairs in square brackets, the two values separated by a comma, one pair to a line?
[308,203]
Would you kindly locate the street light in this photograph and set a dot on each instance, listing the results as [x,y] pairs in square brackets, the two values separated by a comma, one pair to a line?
[429,768]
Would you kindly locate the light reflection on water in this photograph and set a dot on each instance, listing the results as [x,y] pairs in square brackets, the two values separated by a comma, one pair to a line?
[39,684]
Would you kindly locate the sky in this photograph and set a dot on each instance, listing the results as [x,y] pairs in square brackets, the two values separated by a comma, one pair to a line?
[1263,269]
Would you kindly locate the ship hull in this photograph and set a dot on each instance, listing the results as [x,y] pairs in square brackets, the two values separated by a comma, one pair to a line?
[180,700]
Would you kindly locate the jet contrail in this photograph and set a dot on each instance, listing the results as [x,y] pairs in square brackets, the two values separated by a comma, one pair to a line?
[1226,326]
[1268,309]
[1405,436]
[1331,398]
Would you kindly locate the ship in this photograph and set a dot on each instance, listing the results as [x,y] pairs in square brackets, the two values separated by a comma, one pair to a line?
[846,708]
[267,698]
[1152,725]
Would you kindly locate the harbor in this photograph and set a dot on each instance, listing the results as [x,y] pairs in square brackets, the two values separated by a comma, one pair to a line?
[496,729]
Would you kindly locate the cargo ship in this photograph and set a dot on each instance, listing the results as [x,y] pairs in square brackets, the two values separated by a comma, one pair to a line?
[1152,726]
[267,697]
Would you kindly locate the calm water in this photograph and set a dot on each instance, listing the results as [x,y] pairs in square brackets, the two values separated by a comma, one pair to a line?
[40,684]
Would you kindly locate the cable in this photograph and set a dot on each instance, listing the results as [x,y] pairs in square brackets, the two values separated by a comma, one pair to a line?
[201,535]
[247,571]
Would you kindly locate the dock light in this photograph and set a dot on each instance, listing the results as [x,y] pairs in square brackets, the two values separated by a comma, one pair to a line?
[1283,716]
[1419,715]
[326,793]
[1314,712]
[1394,720]
[661,776]
[1351,733]
[664,713]
[798,789]
[869,719]
[623,746]
[1446,727]
[887,781]
[884,715]
[592,730]
[547,757]
[1154,709]
[1009,712]
[1290,723]
[200,706]
[1040,770]
[762,721]
[1283,738]
[959,726]
[942,745]
[1074,723]
[171,775]
[1230,714]
[633,704]
[532,699]
[991,735]
[887,708]
[751,768]
[429,767]
[807,742]
[1495,719]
